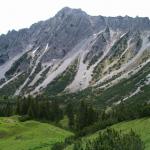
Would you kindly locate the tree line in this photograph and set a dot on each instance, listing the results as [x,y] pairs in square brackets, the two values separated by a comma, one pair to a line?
[83,118]
[116,114]
[33,108]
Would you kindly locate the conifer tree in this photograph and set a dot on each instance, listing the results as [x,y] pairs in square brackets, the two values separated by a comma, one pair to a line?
[70,114]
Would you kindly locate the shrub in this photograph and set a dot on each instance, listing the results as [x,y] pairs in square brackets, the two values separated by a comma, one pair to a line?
[24,118]
[111,140]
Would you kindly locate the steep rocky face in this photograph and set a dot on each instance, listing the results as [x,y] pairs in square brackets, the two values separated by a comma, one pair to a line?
[63,32]
[13,43]
[127,23]
[104,50]
[69,28]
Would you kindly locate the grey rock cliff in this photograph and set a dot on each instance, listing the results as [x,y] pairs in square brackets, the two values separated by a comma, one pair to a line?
[63,32]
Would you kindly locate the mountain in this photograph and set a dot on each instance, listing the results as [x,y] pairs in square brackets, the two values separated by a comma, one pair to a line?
[77,54]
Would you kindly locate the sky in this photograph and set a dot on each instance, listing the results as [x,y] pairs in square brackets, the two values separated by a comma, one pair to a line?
[17,14]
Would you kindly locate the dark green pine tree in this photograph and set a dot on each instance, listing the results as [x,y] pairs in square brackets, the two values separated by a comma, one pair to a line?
[92,115]
[31,109]
[25,104]
[81,119]
[8,109]
[18,104]
[70,114]
[42,110]
[56,112]
[31,112]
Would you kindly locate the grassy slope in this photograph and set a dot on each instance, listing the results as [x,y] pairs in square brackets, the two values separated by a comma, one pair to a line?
[29,135]
[140,126]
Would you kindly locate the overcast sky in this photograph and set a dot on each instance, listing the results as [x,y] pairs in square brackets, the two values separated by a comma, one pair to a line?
[16,14]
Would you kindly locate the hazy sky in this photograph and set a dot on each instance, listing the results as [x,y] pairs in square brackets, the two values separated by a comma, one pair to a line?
[16,14]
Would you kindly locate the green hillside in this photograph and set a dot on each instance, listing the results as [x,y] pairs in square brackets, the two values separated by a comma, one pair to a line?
[140,126]
[29,135]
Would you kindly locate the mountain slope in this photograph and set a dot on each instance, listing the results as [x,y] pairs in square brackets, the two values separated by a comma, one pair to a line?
[104,50]
[136,125]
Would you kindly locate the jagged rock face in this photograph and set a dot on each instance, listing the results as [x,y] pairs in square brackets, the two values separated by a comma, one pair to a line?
[102,49]
[128,23]
[98,46]
[71,26]
[64,31]
[14,42]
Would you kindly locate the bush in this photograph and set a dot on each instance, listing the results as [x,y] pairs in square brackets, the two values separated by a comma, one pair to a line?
[62,145]
[24,118]
[58,146]
[111,140]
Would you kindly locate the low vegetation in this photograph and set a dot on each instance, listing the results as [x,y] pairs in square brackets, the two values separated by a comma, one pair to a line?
[33,135]
[111,140]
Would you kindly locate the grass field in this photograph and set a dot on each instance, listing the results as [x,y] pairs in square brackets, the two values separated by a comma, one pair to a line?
[29,135]
[140,126]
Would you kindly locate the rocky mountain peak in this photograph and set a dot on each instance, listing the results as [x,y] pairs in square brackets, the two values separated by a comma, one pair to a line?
[66,11]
